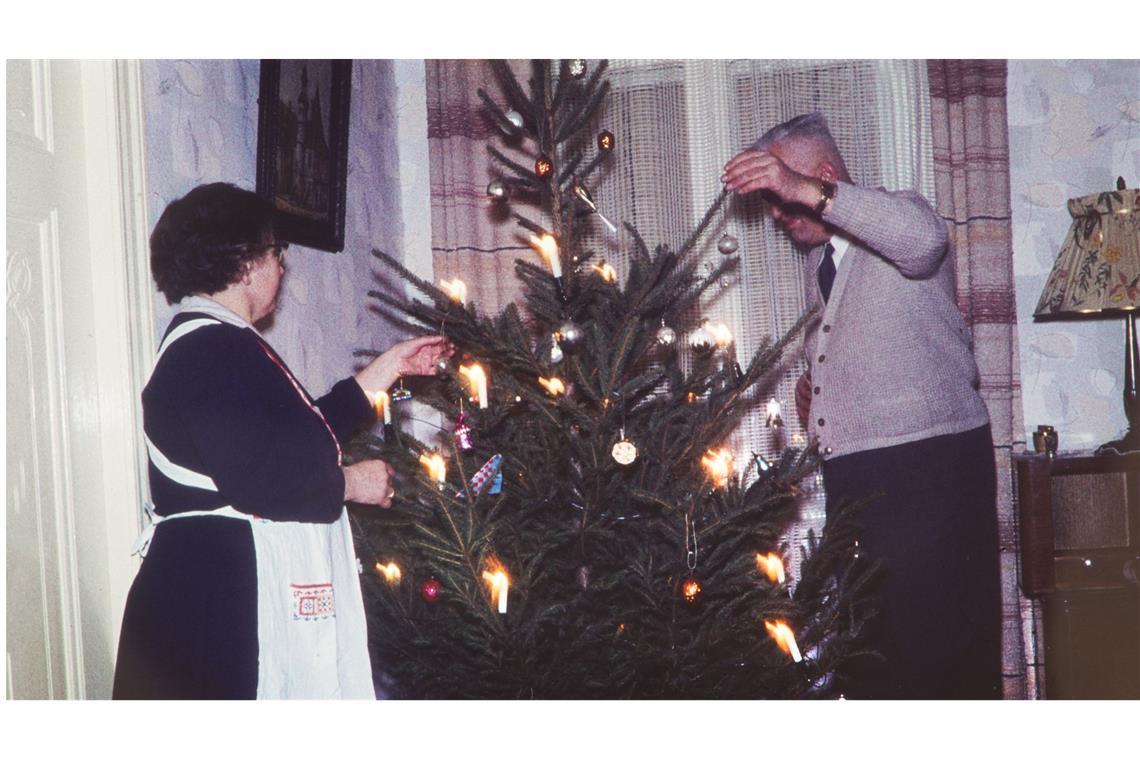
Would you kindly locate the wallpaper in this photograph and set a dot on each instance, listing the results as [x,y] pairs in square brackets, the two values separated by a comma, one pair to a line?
[201,126]
[1074,126]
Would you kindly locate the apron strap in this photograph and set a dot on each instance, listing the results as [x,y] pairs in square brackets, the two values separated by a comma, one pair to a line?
[143,543]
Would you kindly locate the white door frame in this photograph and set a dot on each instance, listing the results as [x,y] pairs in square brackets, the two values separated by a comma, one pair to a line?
[82,325]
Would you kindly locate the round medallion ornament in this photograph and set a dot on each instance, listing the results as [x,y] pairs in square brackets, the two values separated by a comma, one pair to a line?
[727,244]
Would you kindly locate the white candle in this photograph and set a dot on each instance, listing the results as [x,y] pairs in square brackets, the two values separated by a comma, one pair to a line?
[385,404]
[548,247]
[499,586]
[435,466]
[772,566]
[478,379]
[785,638]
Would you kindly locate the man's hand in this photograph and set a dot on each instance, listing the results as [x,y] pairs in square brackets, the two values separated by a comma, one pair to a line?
[803,398]
[755,170]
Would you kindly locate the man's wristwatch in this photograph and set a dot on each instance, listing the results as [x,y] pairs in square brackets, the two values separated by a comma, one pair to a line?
[826,193]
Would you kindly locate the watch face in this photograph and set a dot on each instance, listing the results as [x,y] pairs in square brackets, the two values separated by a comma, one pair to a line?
[624,452]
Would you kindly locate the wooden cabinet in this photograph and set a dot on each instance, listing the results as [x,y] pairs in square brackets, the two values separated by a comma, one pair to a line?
[1080,555]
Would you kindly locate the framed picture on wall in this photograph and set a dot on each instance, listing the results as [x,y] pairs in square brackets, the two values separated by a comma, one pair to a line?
[302,148]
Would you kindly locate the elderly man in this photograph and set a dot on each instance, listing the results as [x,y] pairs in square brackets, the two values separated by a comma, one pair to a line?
[891,396]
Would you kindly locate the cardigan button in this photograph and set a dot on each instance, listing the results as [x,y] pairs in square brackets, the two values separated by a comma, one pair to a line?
[820,421]
[821,358]
[815,390]
[827,451]
[827,328]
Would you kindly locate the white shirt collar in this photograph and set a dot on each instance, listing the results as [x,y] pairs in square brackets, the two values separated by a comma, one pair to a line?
[207,305]
[840,244]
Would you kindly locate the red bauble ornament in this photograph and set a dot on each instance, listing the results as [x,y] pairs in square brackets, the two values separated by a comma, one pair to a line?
[543,168]
[606,141]
[690,589]
[431,590]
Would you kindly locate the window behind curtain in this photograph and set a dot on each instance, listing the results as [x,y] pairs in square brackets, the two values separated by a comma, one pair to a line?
[678,122]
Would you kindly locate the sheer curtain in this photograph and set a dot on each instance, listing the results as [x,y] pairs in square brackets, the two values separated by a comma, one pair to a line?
[678,122]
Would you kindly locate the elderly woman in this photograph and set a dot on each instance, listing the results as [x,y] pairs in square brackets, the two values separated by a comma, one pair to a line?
[249,586]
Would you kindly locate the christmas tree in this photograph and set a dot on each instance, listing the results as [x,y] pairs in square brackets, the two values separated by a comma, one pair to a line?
[581,530]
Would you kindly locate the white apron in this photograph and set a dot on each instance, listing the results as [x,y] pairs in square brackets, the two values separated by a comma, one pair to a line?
[311,631]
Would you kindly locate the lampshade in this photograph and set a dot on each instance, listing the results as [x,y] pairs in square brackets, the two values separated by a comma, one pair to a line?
[1098,268]
[1097,273]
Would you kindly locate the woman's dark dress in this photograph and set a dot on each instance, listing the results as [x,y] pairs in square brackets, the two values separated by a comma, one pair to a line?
[219,404]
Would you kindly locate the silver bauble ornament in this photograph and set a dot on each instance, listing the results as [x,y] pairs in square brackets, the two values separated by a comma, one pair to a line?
[497,189]
[666,335]
[577,68]
[555,352]
[727,244]
[569,334]
[515,118]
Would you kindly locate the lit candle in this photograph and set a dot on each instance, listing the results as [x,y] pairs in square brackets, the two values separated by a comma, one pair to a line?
[721,333]
[607,271]
[553,385]
[774,418]
[384,406]
[435,466]
[719,465]
[772,566]
[457,289]
[548,247]
[478,379]
[499,583]
[784,637]
[391,572]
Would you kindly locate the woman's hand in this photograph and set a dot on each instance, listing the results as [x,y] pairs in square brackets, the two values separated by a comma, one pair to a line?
[369,482]
[410,357]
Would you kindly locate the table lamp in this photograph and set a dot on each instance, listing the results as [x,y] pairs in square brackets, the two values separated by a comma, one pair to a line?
[1097,276]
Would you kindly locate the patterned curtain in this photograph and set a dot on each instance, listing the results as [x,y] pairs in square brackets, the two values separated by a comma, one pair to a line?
[971,171]
[466,241]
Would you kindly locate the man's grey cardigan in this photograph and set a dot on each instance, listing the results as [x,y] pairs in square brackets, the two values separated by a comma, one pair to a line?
[890,357]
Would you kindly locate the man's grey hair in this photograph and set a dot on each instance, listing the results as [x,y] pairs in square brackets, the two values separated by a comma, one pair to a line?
[811,126]
[806,128]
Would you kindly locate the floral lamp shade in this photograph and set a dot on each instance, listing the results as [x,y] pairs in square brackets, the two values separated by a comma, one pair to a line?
[1098,268]
[1097,273]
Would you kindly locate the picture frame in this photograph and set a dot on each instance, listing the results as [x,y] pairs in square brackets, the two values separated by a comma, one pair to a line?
[302,148]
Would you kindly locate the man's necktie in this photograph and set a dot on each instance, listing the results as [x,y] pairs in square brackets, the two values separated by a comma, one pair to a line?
[827,272]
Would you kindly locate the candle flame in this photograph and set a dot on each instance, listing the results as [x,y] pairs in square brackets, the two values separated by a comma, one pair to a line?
[391,572]
[772,566]
[720,332]
[607,271]
[784,638]
[435,466]
[456,288]
[773,418]
[548,247]
[478,379]
[553,385]
[719,465]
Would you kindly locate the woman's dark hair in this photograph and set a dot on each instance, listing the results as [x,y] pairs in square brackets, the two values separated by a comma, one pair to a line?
[203,238]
